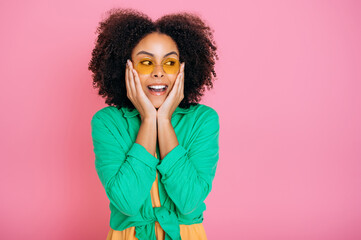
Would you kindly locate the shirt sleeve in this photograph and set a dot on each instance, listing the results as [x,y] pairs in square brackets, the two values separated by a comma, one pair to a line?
[126,175]
[187,175]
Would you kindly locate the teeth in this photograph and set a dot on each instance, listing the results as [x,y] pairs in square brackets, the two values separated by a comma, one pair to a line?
[157,86]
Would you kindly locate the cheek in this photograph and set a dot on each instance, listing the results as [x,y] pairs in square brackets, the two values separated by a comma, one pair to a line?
[172,79]
[143,81]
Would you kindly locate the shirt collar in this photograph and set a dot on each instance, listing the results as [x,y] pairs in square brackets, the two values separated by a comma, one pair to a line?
[131,113]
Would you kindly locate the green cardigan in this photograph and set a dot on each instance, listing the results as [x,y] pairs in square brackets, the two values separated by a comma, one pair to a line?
[127,170]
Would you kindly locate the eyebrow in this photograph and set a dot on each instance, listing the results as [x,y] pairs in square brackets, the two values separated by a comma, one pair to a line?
[144,52]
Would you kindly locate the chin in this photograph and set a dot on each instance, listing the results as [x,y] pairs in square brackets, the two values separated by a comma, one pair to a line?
[157,105]
[156,101]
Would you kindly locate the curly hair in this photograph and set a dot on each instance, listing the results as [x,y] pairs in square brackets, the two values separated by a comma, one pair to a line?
[123,29]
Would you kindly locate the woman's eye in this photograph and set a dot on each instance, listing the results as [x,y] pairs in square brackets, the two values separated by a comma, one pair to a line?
[146,62]
[170,63]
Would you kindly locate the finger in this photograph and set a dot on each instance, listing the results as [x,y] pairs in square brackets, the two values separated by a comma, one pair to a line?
[174,90]
[127,80]
[181,82]
[176,84]
[183,78]
[130,84]
[137,82]
[182,85]
[131,81]
[181,72]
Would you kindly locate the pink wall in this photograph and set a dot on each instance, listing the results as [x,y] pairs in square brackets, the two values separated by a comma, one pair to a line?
[288,96]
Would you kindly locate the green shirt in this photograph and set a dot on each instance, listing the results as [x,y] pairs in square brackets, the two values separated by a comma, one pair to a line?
[127,170]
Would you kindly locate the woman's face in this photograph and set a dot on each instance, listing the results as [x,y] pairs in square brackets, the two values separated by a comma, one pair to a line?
[156,47]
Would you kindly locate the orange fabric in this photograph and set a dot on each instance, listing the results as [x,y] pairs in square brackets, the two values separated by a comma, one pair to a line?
[188,232]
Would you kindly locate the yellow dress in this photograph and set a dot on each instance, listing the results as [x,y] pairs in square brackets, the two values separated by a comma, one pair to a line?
[188,232]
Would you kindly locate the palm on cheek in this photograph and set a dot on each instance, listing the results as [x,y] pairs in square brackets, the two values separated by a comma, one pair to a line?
[174,98]
[136,94]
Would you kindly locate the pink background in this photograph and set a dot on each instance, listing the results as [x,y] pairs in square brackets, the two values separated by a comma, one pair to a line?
[288,96]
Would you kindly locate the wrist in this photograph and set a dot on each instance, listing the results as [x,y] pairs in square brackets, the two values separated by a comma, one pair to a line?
[148,119]
[163,120]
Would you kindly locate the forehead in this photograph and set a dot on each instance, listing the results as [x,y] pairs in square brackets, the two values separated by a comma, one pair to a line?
[156,43]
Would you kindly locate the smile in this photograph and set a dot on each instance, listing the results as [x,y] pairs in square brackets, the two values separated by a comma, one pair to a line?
[158,90]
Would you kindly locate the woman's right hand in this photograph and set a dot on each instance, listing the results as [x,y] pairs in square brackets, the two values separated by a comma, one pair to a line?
[136,94]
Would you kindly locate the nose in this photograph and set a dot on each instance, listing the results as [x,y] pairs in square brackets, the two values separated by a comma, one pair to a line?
[158,71]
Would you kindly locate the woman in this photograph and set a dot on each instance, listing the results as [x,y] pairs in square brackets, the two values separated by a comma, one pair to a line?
[156,147]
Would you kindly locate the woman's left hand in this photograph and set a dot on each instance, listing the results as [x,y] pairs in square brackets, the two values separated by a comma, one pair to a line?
[173,99]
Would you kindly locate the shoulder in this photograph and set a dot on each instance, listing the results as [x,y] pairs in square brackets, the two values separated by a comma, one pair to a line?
[203,109]
[108,114]
[203,112]
[107,111]
[205,117]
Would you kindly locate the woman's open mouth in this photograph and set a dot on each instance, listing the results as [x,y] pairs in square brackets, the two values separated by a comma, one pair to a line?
[158,90]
